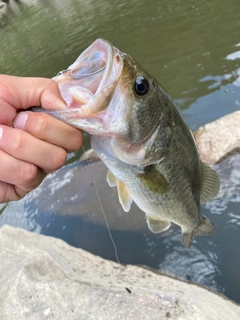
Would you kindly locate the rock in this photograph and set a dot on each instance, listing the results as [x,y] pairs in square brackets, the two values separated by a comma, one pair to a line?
[44,278]
[30,2]
[7,8]
[219,139]
[12,6]
[3,10]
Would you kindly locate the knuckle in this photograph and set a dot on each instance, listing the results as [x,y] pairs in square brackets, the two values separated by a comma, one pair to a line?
[59,158]
[51,83]
[9,193]
[27,176]
[76,141]
[51,86]
[18,142]
[29,172]
[46,82]
[41,125]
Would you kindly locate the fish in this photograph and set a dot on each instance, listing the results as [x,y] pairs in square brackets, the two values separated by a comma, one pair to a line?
[138,132]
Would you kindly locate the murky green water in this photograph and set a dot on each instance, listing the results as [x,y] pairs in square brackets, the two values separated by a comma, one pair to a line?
[193,49]
[184,44]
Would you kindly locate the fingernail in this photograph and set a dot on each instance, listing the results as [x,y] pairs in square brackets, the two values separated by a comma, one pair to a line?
[1,132]
[20,120]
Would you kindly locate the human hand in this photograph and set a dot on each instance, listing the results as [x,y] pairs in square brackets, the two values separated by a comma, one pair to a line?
[31,144]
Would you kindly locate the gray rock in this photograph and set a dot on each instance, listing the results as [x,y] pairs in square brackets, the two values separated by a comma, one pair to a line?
[12,6]
[219,139]
[30,2]
[7,8]
[3,10]
[44,278]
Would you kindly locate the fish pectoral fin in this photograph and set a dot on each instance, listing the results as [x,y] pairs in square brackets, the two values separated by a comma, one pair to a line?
[124,196]
[157,226]
[111,179]
[210,184]
[206,227]
[153,180]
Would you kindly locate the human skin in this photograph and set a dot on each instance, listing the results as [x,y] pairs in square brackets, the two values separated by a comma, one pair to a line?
[31,144]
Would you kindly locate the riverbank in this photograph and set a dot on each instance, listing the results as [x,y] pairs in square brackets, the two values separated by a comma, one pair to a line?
[45,278]
[219,139]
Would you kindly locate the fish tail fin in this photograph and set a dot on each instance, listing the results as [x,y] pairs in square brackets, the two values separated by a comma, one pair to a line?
[206,227]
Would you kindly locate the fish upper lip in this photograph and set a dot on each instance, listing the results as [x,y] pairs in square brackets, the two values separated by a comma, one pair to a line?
[76,76]
[107,54]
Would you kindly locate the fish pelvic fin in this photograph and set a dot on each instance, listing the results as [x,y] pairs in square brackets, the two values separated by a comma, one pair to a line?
[124,196]
[111,179]
[157,226]
[210,184]
[205,228]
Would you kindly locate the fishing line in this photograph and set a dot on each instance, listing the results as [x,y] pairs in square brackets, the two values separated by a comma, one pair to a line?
[104,215]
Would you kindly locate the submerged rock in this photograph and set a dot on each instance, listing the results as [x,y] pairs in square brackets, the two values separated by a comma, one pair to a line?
[30,2]
[12,6]
[219,139]
[44,278]
[3,10]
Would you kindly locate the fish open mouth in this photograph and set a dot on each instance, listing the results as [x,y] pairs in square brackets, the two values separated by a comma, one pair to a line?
[91,79]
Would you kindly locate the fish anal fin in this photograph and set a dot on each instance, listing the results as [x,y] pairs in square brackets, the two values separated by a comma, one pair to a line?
[111,179]
[205,228]
[187,238]
[210,183]
[124,196]
[157,226]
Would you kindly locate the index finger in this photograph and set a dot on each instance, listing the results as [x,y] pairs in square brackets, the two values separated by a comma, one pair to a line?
[49,129]
[22,93]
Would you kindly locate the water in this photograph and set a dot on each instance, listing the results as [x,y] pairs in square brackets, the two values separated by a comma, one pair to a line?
[192,48]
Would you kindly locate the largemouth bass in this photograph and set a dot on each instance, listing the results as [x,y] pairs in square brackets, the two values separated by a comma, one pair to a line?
[141,137]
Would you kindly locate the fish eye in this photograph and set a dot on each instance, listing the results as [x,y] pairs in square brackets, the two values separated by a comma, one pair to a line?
[141,86]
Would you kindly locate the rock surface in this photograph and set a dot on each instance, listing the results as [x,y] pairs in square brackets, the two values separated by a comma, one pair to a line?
[3,11]
[12,6]
[44,278]
[219,139]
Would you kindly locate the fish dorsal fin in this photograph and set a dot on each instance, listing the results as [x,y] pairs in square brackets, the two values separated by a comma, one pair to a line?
[157,226]
[210,183]
[124,196]
[111,179]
